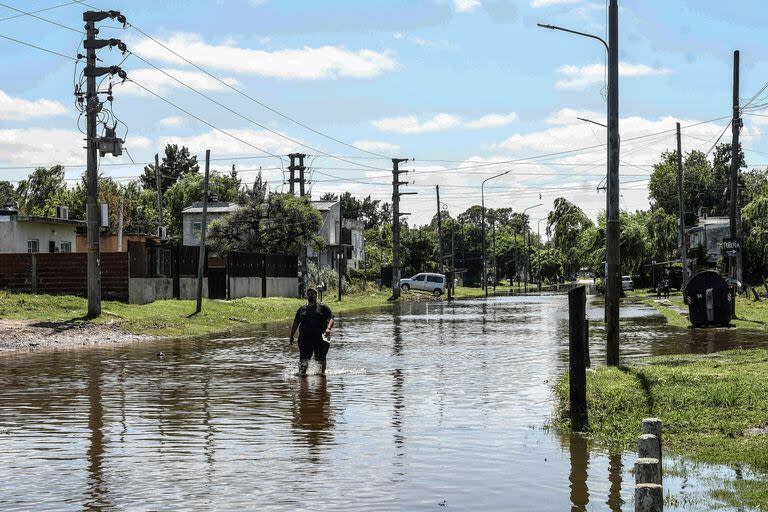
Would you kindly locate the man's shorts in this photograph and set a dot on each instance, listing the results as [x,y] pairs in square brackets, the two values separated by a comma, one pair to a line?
[315,346]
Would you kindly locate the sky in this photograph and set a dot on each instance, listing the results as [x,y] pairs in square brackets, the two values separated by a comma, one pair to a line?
[466,88]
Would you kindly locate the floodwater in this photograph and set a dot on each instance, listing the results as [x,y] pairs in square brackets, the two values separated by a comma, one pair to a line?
[432,406]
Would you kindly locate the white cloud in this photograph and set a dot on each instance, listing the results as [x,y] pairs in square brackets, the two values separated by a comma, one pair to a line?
[377,146]
[547,3]
[465,5]
[579,77]
[305,63]
[171,121]
[221,144]
[492,121]
[412,124]
[19,109]
[159,82]
[420,41]
[441,122]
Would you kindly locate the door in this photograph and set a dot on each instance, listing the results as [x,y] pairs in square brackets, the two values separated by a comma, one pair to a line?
[217,283]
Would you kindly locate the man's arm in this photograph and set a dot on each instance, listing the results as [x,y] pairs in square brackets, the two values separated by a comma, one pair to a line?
[330,322]
[293,330]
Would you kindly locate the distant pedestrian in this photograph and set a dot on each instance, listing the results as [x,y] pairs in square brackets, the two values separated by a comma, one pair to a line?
[314,322]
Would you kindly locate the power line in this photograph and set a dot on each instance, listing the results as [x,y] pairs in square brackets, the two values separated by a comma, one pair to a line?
[38,48]
[35,12]
[245,95]
[33,15]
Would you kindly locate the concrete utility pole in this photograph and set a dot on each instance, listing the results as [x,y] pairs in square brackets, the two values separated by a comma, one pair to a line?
[120,222]
[159,186]
[293,167]
[613,257]
[396,172]
[339,247]
[482,227]
[108,144]
[439,229]
[734,266]
[203,226]
[681,202]
[493,239]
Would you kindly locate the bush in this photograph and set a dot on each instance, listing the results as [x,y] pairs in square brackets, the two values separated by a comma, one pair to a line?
[328,276]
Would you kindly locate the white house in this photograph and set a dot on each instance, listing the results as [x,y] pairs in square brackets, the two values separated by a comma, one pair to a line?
[709,234]
[22,233]
[351,237]
[192,219]
[356,229]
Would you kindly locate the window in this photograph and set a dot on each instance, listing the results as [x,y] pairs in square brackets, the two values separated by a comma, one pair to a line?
[434,279]
[419,277]
[66,246]
[33,246]
[197,230]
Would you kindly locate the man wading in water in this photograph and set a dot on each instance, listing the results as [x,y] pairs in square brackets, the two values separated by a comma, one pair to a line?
[313,321]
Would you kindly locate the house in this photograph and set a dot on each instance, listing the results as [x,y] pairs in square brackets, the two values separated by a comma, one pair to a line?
[329,232]
[709,234]
[354,235]
[23,233]
[109,242]
[192,219]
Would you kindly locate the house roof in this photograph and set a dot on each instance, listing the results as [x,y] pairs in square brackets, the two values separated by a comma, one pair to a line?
[323,206]
[220,207]
[49,220]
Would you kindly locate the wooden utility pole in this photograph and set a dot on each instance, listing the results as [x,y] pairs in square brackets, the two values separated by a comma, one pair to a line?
[734,270]
[577,374]
[613,257]
[396,172]
[339,246]
[681,203]
[159,186]
[203,226]
[439,229]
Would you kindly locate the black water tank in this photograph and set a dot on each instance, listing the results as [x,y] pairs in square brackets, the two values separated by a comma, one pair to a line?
[709,299]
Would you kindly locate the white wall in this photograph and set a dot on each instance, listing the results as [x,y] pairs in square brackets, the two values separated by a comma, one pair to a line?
[143,290]
[188,236]
[14,235]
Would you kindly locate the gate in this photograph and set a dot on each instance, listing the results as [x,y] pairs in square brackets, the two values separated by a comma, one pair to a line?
[217,283]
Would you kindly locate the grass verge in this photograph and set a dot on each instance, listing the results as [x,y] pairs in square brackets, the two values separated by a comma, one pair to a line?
[714,408]
[750,314]
[172,318]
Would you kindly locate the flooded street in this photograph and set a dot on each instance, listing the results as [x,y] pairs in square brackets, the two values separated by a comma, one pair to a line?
[430,407]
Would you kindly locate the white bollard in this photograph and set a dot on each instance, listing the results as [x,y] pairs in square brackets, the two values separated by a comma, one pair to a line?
[647,471]
[649,498]
[648,446]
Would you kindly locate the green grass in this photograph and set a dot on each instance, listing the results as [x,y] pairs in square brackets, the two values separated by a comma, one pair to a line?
[172,318]
[750,314]
[708,404]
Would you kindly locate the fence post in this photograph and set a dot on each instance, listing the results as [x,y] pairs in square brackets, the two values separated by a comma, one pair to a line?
[33,264]
[587,359]
[653,426]
[649,498]
[647,471]
[577,375]
[648,447]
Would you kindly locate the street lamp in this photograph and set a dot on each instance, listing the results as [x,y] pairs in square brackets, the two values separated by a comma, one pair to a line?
[538,235]
[526,274]
[612,284]
[482,225]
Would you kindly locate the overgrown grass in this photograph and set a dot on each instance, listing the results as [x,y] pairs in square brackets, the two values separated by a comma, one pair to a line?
[750,314]
[173,318]
[714,409]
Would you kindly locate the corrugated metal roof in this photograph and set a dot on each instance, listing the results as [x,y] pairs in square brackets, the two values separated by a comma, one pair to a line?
[220,207]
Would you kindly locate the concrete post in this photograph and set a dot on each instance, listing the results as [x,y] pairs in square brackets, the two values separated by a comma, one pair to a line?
[649,498]
[648,447]
[647,471]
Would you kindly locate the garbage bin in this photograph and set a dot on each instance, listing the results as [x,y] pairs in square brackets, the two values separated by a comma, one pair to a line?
[709,299]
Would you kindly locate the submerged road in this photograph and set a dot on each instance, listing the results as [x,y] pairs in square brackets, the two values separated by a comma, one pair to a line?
[428,407]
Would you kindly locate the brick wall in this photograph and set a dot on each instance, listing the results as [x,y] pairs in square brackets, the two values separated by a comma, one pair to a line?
[16,272]
[64,273]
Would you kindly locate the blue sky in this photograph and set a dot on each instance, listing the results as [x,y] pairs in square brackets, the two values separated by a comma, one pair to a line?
[452,83]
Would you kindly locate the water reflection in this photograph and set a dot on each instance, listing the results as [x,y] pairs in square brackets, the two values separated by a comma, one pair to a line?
[312,415]
[579,472]
[615,471]
[98,498]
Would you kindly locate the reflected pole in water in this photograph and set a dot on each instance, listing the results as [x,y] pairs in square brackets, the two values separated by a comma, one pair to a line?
[97,488]
[615,473]
[579,473]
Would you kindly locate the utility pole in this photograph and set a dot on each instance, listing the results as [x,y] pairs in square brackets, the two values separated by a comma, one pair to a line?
[107,144]
[396,172]
[120,222]
[203,225]
[439,229]
[339,247]
[613,257]
[681,202]
[159,186]
[493,235]
[293,167]
[734,263]
[527,259]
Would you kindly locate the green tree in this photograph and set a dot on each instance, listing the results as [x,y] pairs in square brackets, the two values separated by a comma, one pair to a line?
[662,235]
[42,191]
[548,263]
[565,223]
[7,194]
[699,187]
[419,250]
[175,165]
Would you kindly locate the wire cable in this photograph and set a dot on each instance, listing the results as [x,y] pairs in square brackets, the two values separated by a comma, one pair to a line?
[38,47]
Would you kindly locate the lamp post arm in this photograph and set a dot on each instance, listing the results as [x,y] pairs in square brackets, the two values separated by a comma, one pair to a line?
[555,27]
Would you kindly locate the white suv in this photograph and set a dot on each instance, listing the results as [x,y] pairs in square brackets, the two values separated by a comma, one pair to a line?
[627,284]
[434,283]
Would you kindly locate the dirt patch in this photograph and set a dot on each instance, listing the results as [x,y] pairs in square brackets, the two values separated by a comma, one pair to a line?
[30,335]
